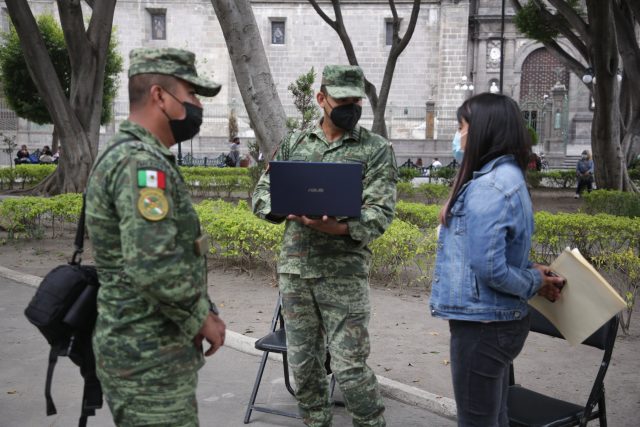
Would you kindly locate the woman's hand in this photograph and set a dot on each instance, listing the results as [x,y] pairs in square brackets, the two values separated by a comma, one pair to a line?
[552,284]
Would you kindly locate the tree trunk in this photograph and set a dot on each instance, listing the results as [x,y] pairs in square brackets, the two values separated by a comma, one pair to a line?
[77,120]
[252,72]
[609,158]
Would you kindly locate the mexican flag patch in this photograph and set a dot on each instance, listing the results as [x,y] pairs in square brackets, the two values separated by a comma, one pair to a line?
[151,178]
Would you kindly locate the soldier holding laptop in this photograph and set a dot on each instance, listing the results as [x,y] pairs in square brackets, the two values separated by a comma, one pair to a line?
[324,263]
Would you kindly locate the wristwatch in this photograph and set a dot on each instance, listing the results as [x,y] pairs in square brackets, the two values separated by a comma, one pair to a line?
[213,309]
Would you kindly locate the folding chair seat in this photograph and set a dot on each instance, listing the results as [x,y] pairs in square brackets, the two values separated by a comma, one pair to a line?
[276,342]
[529,408]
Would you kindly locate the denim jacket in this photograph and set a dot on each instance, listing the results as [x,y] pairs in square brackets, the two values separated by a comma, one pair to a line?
[482,270]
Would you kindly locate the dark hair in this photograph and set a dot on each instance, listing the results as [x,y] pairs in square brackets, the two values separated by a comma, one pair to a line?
[496,128]
[140,84]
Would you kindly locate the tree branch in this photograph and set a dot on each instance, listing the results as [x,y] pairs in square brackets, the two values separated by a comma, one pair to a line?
[404,41]
[323,15]
[576,41]
[573,19]
[75,35]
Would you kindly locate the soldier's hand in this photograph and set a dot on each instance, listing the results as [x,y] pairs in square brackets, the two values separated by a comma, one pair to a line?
[327,224]
[213,330]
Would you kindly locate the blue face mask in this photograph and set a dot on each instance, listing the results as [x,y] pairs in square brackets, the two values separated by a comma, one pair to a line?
[458,152]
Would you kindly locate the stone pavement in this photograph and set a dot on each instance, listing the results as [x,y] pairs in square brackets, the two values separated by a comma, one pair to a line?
[223,390]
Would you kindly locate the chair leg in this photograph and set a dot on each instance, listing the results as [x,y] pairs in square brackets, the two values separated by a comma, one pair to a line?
[603,410]
[287,384]
[256,385]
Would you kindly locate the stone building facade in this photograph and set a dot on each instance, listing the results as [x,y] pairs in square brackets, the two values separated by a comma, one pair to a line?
[452,39]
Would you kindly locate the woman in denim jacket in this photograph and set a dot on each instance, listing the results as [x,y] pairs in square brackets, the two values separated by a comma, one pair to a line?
[483,277]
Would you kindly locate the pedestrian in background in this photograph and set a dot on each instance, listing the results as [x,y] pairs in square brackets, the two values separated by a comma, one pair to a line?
[153,308]
[233,158]
[584,173]
[483,277]
[323,266]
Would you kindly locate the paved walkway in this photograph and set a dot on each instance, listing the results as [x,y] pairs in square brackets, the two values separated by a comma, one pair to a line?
[223,389]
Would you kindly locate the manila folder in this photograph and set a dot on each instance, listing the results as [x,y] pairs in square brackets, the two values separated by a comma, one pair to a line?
[587,300]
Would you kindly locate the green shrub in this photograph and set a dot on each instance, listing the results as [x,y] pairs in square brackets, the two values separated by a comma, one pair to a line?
[561,179]
[446,174]
[424,193]
[534,178]
[406,174]
[7,178]
[27,214]
[612,202]
[422,216]
[30,175]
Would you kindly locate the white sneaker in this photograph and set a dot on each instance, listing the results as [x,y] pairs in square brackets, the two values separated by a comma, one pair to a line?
[577,196]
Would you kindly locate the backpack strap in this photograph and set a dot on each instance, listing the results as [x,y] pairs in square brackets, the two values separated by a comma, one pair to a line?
[53,359]
[92,393]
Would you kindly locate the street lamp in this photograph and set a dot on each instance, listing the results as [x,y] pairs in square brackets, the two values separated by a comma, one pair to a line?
[464,84]
[590,76]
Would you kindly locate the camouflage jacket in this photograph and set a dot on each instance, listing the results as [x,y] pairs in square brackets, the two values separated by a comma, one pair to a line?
[314,254]
[153,296]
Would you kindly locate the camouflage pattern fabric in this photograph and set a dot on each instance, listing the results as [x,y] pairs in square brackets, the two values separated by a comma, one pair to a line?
[343,81]
[160,402]
[173,62]
[312,254]
[153,296]
[323,278]
[338,308]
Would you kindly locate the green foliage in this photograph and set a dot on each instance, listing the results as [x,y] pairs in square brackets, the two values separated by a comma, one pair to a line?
[612,202]
[304,100]
[402,247]
[406,174]
[532,20]
[533,134]
[422,216]
[233,125]
[26,215]
[20,90]
[26,175]
[424,193]
[9,146]
[552,179]
[445,174]
[534,178]
[217,182]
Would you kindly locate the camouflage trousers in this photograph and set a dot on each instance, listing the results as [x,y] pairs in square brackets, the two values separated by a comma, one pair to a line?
[330,313]
[159,402]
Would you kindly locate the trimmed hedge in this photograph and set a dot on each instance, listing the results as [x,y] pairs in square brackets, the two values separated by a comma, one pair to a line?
[404,253]
[25,175]
[425,193]
[612,202]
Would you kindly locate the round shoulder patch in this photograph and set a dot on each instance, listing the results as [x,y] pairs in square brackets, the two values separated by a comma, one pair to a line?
[153,204]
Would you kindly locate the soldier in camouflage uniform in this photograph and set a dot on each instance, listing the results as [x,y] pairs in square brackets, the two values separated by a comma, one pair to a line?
[324,263]
[153,308]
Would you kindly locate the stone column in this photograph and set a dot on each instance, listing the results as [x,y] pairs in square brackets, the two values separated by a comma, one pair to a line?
[430,120]
[555,143]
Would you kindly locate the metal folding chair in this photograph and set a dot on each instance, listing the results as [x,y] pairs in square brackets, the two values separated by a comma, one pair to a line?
[276,342]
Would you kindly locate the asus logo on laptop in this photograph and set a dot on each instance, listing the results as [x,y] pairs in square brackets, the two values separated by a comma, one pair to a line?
[315,190]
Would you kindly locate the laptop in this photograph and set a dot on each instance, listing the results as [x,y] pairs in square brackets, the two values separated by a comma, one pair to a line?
[316,189]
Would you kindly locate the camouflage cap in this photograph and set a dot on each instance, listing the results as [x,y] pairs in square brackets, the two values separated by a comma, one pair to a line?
[343,81]
[173,62]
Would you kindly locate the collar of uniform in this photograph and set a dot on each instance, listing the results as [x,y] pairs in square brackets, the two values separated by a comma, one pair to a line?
[144,135]
[353,134]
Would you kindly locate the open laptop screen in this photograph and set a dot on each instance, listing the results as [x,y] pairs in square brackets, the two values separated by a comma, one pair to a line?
[315,189]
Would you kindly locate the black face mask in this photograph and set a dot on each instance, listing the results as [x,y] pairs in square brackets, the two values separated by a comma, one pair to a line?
[187,128]
[346,116]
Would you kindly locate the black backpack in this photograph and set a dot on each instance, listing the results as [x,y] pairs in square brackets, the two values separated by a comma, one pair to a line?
[64,310]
